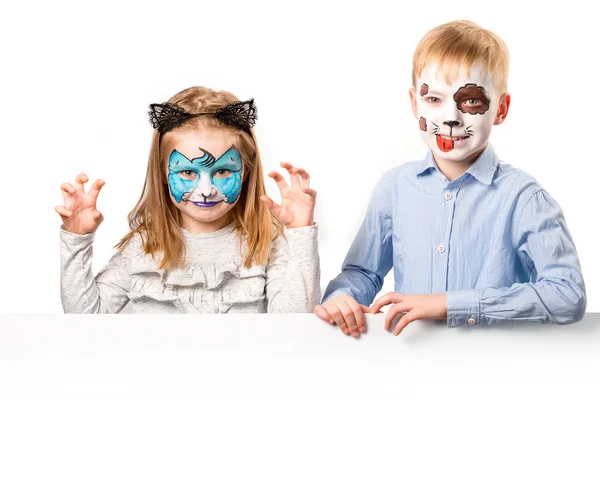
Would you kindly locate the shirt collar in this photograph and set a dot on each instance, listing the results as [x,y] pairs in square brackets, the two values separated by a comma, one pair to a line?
[483,169]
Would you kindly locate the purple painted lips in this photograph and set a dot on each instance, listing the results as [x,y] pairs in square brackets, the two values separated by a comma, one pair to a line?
[206,204]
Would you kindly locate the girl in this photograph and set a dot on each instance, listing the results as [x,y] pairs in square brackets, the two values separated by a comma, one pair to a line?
[204,236]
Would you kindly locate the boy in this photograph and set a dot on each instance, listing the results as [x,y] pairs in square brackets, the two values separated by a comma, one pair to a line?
[471,239]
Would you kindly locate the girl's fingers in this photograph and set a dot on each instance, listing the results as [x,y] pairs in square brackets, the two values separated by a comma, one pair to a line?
[61,210]
[311,192]
[293,173]
[95,190]
[304,178]
[279,180]
[98,217]
[271,205]
[81,179]
[67,188]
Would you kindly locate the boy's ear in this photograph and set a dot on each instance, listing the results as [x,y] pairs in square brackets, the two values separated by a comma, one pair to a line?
[413,101]
[503,107]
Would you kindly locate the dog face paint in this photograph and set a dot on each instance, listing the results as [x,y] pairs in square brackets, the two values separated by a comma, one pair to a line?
[459,116]
[206,181]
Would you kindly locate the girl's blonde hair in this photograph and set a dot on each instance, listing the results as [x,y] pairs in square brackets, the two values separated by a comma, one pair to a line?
[158,220]
[462,44]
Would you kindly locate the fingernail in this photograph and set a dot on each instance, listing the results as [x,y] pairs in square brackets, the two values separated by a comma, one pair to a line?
[346,331]
[362,328]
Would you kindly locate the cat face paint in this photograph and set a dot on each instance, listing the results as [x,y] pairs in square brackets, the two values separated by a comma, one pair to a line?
[456,120]
[206,181]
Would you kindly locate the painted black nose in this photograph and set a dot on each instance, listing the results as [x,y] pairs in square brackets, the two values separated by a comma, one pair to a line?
[452,124]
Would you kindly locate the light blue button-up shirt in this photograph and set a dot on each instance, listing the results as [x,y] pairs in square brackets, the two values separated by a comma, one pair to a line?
[493,239]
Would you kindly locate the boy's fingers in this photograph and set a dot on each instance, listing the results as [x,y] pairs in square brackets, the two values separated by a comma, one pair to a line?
[323,314]
[359,316]
[348,314]
[404,321]
[61,210]
[386,299]
[96,186]
[338,318]
[393,312]
[98,217]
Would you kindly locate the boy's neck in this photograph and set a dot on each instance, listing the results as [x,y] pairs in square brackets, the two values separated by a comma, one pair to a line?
[454,169]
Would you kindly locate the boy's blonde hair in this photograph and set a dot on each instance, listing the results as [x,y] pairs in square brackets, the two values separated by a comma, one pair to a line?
[158,220]
[462,44]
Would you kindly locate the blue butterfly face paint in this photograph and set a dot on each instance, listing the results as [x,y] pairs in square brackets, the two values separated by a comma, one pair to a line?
[206,181]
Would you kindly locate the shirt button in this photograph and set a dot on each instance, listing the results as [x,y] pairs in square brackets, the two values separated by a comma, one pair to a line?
[471,321]
[448,196]
[441,249]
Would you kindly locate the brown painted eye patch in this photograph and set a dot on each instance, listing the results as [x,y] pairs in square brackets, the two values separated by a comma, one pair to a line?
[472,92]
[424,89]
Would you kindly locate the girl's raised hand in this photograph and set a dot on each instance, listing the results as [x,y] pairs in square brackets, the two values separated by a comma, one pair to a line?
[79,213]
[297,206]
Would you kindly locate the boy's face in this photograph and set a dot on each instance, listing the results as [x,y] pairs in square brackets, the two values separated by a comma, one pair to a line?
[455,120]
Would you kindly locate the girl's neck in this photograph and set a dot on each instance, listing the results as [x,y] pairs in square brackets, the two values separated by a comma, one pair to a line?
[194,226]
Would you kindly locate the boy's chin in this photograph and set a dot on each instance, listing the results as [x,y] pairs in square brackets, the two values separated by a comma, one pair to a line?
[457,153]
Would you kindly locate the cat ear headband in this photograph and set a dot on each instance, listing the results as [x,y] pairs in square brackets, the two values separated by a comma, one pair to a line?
[240,115]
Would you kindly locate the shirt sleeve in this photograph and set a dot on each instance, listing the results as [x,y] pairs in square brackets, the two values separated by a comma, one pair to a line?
[556,290]
[370,256]
[293,272]
[80,292]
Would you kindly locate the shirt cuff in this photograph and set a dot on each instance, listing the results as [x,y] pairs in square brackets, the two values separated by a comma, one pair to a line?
[463,308]
[75,238]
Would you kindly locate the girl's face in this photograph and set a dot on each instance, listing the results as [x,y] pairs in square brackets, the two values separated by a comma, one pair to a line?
[204,173]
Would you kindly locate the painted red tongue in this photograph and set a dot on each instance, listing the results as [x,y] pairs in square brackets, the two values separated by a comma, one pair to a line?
[444,144]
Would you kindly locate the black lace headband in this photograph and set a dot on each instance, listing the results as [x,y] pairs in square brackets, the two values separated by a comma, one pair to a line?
[166,116]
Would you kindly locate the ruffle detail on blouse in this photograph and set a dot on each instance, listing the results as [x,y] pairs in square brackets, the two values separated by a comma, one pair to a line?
[206,275]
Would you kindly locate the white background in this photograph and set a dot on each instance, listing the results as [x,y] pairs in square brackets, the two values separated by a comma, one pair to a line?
[331,82]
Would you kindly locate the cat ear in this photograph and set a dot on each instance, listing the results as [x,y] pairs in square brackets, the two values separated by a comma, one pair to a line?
[166,116]
[241,115]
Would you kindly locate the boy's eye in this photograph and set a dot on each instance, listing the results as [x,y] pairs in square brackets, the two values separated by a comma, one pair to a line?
[473,101]
[432,99]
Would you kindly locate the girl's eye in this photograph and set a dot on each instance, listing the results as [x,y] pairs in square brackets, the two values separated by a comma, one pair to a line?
[188,173]
[222,172]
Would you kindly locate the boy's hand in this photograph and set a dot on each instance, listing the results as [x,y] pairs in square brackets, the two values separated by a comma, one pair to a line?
[79,213]
[297,207]
[345,311]
[415,307]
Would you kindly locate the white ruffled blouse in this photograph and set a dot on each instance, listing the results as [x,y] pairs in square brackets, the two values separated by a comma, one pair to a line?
[213,280]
